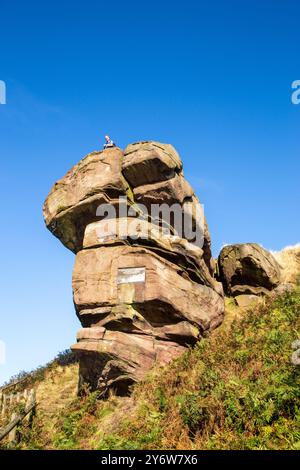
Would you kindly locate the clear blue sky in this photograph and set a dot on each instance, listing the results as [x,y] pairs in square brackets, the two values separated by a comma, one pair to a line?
[211,77]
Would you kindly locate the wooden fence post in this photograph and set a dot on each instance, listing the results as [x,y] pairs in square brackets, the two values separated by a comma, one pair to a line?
[15,420]
[4,405]
[12,436]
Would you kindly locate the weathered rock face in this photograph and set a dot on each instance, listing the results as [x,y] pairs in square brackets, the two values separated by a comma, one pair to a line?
[142,281]
[102,276]
[247,269]
[150,162]
[73,200]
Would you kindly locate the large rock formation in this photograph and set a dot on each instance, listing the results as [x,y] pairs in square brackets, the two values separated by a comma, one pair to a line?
[143,280]
[247,269]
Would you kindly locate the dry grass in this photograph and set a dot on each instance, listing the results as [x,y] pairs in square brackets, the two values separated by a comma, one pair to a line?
[58,389]
[289,260]
[54,396]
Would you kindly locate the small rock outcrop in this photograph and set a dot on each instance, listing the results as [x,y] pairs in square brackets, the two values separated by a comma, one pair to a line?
[143,290]
[247,270]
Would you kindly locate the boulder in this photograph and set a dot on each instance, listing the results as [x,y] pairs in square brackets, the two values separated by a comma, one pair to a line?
[172,191]
[149,162]
[247,269]
[245,301]
[73,200]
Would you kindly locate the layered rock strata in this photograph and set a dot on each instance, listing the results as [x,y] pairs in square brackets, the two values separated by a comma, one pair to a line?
[143,280]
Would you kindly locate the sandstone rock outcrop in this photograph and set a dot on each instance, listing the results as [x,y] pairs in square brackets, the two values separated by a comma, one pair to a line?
[247,269]
[73,200]
[142,281]
[150,162]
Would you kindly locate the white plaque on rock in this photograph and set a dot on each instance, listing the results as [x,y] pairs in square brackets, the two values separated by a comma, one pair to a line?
[131,275]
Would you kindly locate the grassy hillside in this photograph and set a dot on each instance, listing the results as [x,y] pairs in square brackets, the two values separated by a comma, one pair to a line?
[289,260]
[238,389]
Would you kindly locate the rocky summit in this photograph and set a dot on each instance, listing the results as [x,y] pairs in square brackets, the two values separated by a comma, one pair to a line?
[143,281]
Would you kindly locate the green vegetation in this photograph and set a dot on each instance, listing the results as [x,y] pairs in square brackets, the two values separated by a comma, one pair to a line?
[237,389]
[63,358]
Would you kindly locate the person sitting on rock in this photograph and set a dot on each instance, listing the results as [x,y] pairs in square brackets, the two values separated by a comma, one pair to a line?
[108,142]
